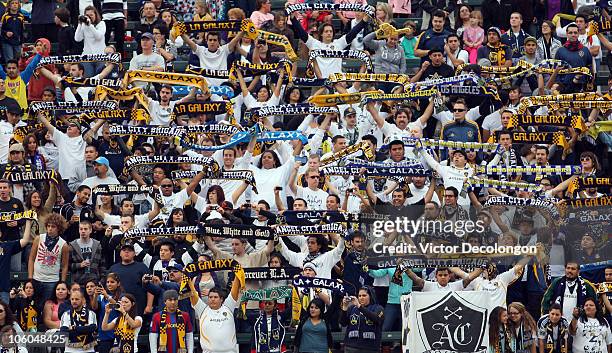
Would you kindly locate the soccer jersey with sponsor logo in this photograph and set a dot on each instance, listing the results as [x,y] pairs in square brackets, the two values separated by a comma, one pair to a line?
[217,328]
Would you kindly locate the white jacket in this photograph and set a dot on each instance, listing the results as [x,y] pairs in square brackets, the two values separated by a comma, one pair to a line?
[92,37]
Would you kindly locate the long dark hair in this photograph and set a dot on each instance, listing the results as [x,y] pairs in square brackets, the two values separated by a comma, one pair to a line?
[53,297]
[119,291]
[277,162]
[134,308]
[318,302]
[495,324]
[598,314]
[218,190]
[9,317]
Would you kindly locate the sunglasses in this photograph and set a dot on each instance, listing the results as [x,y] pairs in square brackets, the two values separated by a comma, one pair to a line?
[458,110]
[314,177]
[166,186]
[583,159]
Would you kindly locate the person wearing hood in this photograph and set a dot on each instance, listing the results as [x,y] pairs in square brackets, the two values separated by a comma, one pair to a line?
[38,83]
[16,80]
[363,319]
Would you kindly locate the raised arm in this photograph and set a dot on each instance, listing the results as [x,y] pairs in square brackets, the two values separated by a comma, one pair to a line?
[189,42]
[418,281]
[27,234]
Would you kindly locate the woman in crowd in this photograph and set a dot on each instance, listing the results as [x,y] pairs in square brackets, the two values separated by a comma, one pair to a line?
[501,339]
[399,285]
[164,46]
[107,296]
[263,13]
[388,57]
[547,43]
[313,334]
[24,308]
[206,281]
[215,196]
[34,201]
[108,205]
[523,327]
[590,331]
[7,318]
[38,83]
[177,216]
[90,292]
[50,317]
[91,31]
[363,335]
[463,19]
[264,98]
[384,13]
[30,146]
[126,326]
[169,20]
[553,331]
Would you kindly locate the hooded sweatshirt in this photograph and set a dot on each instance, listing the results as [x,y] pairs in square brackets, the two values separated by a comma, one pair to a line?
[38,82]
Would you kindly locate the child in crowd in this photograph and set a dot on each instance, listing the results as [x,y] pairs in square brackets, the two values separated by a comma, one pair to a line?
[473,35]
[12,32]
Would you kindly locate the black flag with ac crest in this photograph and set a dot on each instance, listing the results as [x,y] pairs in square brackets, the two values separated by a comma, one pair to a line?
[449,322]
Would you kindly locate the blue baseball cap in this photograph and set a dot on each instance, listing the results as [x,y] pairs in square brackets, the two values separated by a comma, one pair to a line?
[102,160]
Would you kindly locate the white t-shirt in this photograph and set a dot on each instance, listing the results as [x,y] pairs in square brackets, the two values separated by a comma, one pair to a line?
[455,177]
[570,300]
[171,202]
[6,134]
[160,116]
[217,328]
[143,60]
[433,286]
[328,66]
[315,199]
[71,153]
[460,55]
[140,221]
[250,102]
[591,337]
[418,194]
[136,331]
[498,287]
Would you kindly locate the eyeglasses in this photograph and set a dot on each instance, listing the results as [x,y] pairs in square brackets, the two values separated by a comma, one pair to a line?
[166,186]
[315,177]
[458,110]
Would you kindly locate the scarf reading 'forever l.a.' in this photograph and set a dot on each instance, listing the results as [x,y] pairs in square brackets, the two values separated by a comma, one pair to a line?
[114,58]
[359,55]
[517,201]
[271,273]
[365,8]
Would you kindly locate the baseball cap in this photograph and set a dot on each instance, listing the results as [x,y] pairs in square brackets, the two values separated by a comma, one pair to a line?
[531,39]
[14,108]
[350,111]
[177,267]
[16,147]
[128,245]
[102,160]
[147,35]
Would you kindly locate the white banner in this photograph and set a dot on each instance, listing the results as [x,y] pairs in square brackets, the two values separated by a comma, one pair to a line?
[446,322]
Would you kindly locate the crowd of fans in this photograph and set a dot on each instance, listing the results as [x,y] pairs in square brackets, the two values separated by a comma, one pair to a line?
[75,274]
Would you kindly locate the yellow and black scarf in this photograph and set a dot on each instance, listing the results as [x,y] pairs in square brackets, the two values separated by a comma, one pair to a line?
[125,335]
[164,325]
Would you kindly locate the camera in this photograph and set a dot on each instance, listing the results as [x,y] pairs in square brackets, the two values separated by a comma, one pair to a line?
[261,42]
[147,277]
[83,19]
[113,306]
[279,188]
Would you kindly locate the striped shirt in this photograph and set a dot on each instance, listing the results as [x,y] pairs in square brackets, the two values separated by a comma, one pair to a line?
[113,9]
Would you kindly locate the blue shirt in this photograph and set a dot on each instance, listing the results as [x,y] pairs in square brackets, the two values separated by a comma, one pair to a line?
[314,338]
